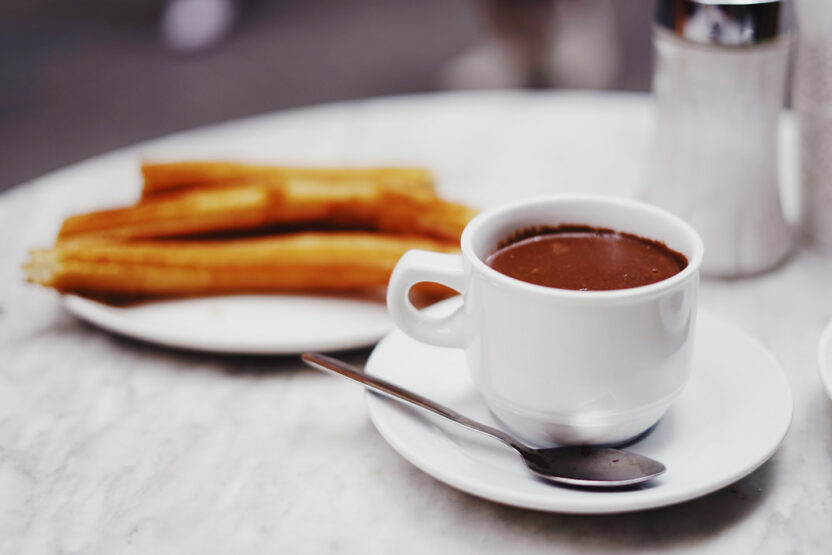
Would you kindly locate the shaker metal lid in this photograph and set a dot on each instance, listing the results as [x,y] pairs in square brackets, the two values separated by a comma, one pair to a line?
[724,22]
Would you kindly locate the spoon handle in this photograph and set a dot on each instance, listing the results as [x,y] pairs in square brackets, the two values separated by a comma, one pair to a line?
[323,362]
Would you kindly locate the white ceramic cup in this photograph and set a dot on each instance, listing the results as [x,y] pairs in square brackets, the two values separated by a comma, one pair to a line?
[559,366]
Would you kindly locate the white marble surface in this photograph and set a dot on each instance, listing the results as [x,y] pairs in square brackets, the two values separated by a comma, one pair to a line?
[108,445]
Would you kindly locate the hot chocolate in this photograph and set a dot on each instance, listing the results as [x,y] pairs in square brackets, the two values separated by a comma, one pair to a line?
[585,258]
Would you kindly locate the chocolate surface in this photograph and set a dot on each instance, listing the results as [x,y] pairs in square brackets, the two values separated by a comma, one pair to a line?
[585,258]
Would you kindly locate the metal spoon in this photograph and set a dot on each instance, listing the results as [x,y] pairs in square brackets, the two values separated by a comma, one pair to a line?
[587,466]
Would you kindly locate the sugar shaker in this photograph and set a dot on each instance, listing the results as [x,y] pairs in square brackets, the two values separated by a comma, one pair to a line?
[718,83]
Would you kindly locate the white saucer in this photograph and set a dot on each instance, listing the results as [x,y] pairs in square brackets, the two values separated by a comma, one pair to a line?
[730,419]
[244,324]
[825,358]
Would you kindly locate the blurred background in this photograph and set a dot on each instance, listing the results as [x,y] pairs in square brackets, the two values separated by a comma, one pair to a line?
[81,77]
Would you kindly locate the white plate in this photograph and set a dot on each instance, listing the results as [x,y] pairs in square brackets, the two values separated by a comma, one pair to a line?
[730,419]
[825,358]
[244,324]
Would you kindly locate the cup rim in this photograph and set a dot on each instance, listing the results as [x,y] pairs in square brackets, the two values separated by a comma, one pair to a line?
[481,220]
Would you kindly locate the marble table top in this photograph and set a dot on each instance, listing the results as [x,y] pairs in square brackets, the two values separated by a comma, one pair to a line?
[108,445]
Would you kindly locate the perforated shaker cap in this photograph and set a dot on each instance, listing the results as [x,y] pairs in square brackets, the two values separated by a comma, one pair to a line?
[725,22]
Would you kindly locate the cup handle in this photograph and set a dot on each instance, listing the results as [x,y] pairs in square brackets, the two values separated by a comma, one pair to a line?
[417,266]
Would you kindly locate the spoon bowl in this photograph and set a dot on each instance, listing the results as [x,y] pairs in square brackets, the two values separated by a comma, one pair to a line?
[591,466]
[584,466]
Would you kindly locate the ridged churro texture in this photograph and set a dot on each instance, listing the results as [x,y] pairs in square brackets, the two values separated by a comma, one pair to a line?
[167,177]
[314,262]
[296,202]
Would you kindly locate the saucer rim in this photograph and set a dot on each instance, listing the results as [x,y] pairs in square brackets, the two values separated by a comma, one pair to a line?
[824,362]
[588,504]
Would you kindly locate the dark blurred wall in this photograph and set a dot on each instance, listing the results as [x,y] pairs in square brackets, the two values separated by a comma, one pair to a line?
[80,77]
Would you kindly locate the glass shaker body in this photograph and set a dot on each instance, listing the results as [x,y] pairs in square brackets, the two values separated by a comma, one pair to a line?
[715,149]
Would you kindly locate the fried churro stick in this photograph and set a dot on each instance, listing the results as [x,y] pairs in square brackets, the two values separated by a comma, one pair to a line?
[162,178]
[176,215]
[351,205]
[308,262]
[187,213]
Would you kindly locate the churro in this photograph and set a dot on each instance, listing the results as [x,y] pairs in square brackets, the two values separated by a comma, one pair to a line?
[167,177]
[313,261]
[205,228]
[297,202]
